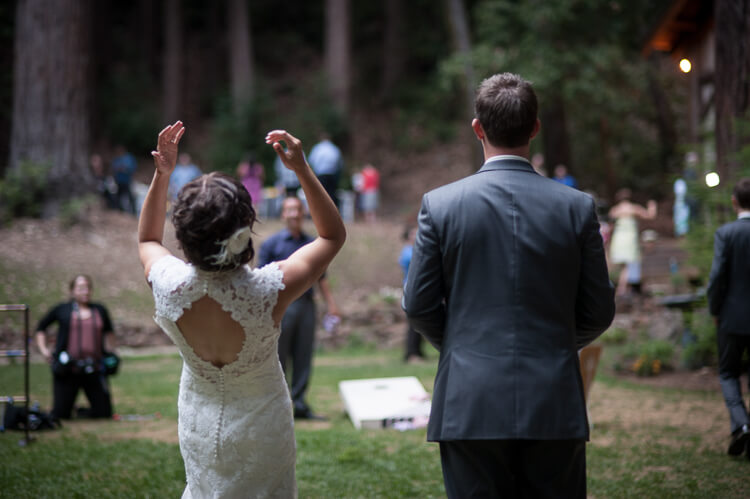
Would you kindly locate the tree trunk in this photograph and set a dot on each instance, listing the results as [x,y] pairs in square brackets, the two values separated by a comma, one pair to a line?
[459,28]
[172,79]
[240,53]
[338,53]
[555,138]
[665,122]
[393,48]
[51,93]
[148,41]
[732,79]
[610,175]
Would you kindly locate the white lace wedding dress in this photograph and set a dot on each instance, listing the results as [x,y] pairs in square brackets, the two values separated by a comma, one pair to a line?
[235,427]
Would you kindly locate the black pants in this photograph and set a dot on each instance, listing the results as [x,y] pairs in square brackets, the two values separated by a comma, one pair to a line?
[413,344]
[330,182]
[125,198]
[731,348]
[514,468]
[95,386]
[296,342]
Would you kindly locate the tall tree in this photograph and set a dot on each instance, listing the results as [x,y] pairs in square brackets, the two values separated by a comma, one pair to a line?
[338,53]
[555,131]
[393,47]
[241,67]
[732,78]
[460,33]
[172,78]
[51,93]
[583,59]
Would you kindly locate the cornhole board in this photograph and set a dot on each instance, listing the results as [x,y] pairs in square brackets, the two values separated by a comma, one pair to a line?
[386,402]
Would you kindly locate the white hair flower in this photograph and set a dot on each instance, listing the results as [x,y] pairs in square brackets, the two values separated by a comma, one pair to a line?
[231,246]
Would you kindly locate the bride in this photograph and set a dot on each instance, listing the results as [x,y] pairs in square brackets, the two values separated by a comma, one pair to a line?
[235,420]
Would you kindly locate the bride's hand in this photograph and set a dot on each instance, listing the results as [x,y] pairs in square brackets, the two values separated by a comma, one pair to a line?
[165,156]
[293,157]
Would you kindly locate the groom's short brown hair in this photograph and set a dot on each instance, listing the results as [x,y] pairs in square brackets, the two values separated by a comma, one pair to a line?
[506,107]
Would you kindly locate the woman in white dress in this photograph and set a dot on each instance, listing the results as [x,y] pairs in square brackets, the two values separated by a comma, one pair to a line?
[235,417]
[624,247]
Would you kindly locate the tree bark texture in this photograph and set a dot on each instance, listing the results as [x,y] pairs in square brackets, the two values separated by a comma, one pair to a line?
[338,53]
[555,139]
[394,50]
[665,122]
[460,33]
[51,92]
[732,79]
[240,52]
[172,79]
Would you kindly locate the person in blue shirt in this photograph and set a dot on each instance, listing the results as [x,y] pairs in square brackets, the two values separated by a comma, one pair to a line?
[297,338]
[184,172]
[123,168]
[327,163]
[561,175]
[414,352]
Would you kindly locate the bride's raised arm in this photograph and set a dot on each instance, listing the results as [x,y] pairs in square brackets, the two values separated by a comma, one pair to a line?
[154,210]
[305,266]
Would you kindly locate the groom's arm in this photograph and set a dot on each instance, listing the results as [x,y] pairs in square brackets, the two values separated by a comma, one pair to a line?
[424,294]
[595,303]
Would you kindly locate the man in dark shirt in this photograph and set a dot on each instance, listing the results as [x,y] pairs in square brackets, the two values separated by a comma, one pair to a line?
[298,325]
[728,297]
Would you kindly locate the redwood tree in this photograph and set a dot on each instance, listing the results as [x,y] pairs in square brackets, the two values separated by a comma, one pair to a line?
[50,121]
[172,79]
[240,52]
[338,53]
[732,78]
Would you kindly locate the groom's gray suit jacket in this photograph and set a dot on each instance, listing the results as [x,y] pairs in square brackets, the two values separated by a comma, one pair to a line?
[508,280]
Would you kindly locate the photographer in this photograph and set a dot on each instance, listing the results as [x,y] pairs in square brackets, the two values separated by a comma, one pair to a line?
[83,355]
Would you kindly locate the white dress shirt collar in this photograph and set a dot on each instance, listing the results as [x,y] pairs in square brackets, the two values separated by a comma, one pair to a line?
[507,156]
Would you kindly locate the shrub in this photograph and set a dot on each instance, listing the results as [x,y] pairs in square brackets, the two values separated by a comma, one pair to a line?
[76,210]
[703,350]
[614,336]
[651,357]
[22,191]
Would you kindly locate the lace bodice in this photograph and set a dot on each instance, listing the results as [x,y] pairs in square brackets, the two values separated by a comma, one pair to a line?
[249,295]
[235,421]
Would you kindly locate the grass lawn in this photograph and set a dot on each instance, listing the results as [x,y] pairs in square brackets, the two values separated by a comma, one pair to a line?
[645,442]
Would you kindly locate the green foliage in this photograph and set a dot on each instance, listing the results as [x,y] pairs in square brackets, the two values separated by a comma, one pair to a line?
[236,132]
[584,55]
[426,113]
[649,357]
[22,191]
[614,336]
[75,211]
[129,102]
[703,351]
[713,204]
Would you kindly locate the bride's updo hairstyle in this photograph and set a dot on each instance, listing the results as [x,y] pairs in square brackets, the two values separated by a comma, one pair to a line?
[213,218]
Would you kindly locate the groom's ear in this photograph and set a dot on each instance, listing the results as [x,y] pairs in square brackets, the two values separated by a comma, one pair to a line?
[537,127]
[478,130]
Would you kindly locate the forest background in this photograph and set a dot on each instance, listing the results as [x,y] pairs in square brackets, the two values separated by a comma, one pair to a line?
[391,81]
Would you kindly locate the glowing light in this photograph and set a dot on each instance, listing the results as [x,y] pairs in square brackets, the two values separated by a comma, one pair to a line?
[685,66]
[712,179]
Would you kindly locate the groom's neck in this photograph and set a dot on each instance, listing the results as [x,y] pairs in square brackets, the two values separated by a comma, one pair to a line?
[491,151]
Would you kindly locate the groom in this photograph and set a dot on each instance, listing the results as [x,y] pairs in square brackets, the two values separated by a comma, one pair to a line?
[508,280]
